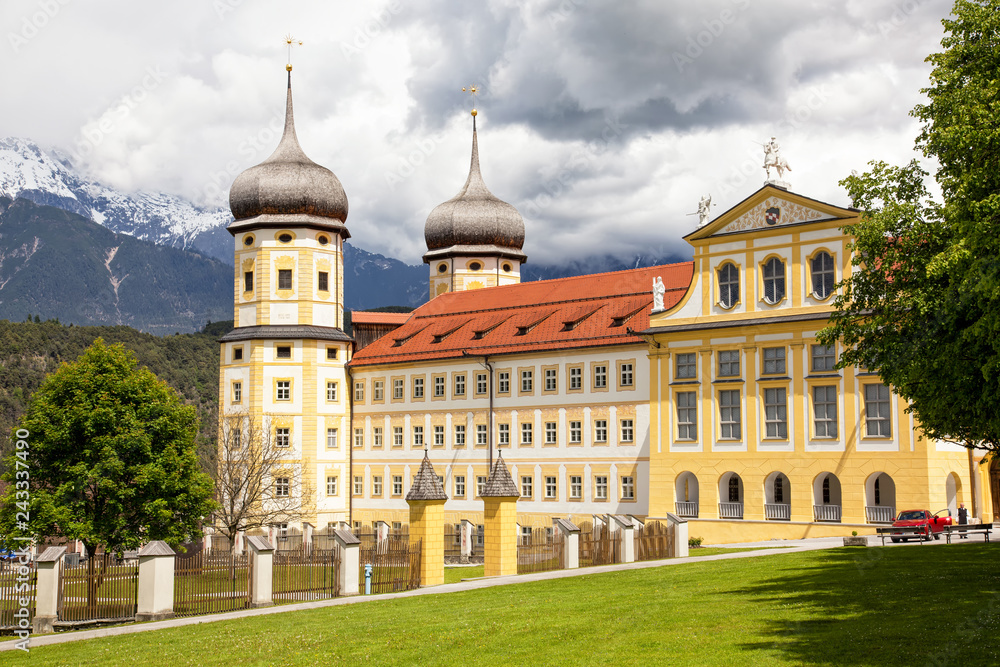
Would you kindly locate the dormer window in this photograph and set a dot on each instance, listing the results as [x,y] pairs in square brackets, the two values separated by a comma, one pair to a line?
[729,285]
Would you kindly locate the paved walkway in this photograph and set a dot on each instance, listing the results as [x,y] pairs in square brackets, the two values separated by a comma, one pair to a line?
[468,585]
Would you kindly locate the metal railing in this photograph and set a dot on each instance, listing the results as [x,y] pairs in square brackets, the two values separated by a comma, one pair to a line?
[540,553]
[452,540]
[11,580]
[210,583]
[778,511]
[880,514]
[826,512]
[687,510]
[102,590]
[395,565]
[730,510]
[306,574]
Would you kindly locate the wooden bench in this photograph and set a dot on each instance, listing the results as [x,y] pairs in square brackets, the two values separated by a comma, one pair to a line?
[901,533]
[965,529]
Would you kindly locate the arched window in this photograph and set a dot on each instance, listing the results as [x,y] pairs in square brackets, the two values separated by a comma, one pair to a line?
[774,280]
[826,490]
[823,275]
[734,489]
[779,490]
[729,285]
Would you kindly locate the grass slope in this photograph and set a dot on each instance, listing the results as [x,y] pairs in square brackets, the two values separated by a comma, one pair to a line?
[876,606]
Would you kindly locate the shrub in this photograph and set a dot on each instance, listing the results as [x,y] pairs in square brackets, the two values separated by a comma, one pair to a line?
[694,542]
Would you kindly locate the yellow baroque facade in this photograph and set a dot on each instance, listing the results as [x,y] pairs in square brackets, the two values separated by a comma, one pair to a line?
[756,434]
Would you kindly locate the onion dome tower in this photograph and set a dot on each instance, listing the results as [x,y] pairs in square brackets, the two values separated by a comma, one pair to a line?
[282,366]
[474,239]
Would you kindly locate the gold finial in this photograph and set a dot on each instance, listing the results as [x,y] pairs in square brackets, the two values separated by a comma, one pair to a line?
[291,41]
[472,90]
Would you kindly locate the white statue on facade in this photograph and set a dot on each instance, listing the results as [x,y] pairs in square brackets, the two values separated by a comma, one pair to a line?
[773,158]
[658,291]
[704,210]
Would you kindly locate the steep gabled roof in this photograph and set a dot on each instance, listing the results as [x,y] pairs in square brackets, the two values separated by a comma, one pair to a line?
[601,309]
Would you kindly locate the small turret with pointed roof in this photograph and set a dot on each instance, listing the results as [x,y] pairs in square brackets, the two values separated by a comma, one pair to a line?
[500,484]
[426,485]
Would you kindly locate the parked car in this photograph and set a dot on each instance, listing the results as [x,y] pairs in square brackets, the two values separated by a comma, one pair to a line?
[932,524]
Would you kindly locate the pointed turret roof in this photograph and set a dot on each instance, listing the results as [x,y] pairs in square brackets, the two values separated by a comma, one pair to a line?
[500,484]
[426,485]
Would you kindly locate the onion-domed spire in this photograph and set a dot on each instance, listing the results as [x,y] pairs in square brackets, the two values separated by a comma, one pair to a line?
[288,188]
[474,221]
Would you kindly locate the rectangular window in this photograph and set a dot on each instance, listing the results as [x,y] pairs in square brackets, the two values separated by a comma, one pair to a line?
[551,488]
[439,436]
[418,436]
[331,392]
[775,413]
[686,367]
[359,391]
[551,434]
[331,353]
[397,485]
[575,378]
[628,431]
[418,387]
[359,437]
[551,379]
[359,485]
[503,382]
[282,485]
[628,488]
[460,435]
[774,361]
[236,436]
[481,435]
[729,415]
[729,363]
[323,281]
[331,438]
[824,358]
[480,484]
[460,486]
[376,486]
[600,377]
[600,487]
[504,438]
[480,383]
[378,390]
[575,432]
[626,375]
[526,486]
[331,486]
[439,386]
[527,381]
[687,415]
[376,436]
[460,385]
[397,389]
[237,354]
[283,352]
[248,281]
[601,430]
[526,434]
[877,420]
[282,437]
[284,279]
[237,392]
[825,412]
[575,487]
[397,436]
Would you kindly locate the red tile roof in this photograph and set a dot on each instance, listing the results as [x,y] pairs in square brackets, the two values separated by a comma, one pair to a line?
[578,312]
[364,317]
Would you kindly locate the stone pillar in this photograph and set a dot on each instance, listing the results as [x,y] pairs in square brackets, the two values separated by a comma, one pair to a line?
[500,517]
[625,527]
[155,598]
[262,553]
[426,500]
[468,539]
[206,543]
[680,528]
[238,543]
[350,554]
[46,589]
[571,543]
[381,531]
[307,536]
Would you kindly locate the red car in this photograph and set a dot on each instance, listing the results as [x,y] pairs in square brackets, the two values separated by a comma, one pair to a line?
[932,524]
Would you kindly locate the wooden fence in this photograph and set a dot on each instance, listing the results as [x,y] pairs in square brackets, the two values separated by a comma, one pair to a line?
[211,583]
[101,590]
[654,541]
[395,565]
[599,545]
[306,574]
[288,540]
[452,540]
[541,552]
[11,580]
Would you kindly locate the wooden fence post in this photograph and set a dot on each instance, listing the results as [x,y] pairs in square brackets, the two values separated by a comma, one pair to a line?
[350,555]
[155,594]
[47,564]
[571,543]
[680,529]
[262,554]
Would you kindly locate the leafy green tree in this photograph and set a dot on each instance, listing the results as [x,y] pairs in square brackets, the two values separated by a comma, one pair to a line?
[111,458]
[922,305]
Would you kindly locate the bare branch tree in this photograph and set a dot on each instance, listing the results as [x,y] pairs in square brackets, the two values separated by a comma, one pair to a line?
[258,481]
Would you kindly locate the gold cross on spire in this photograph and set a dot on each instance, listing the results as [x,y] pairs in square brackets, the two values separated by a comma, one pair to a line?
[473,91]
[291,41]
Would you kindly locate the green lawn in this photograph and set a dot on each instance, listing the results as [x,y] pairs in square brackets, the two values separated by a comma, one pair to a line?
[846,606]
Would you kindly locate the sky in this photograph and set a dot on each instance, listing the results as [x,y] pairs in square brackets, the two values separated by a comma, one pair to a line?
[603,121]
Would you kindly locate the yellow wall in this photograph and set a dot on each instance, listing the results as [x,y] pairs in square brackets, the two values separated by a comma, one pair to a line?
[501,537]
[426,518]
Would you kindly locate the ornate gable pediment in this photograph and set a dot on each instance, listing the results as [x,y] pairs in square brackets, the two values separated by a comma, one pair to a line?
[773,212]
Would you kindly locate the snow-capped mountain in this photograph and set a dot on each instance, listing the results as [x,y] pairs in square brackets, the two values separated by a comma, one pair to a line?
[48,178]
